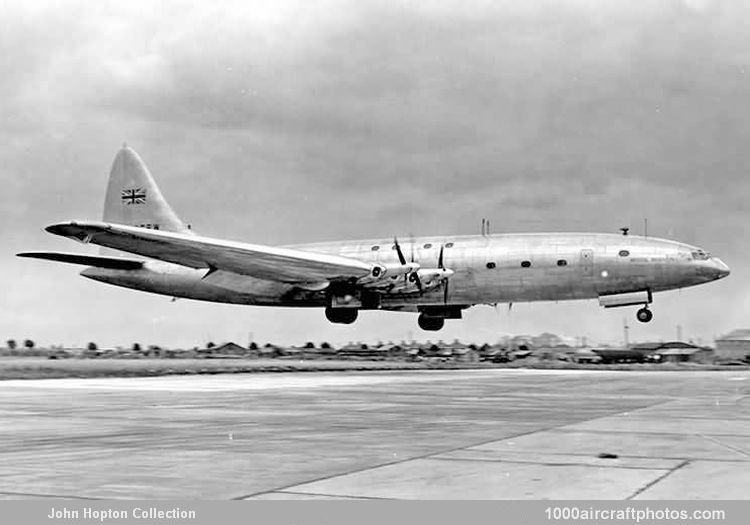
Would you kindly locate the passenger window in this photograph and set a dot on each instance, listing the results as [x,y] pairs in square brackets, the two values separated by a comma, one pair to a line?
[562,262]
[427,246]
[624,253]
[490,265]
[375,248]
[449,245]
[525,264]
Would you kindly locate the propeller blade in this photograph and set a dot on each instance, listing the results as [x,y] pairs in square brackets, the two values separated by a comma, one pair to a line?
[416,280]
[445,280]
[401,257]
[414,276]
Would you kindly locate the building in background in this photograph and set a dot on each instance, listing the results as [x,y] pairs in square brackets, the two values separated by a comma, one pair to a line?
[672,351]
[640,353]
[679,352]
[226,350]
[734,346]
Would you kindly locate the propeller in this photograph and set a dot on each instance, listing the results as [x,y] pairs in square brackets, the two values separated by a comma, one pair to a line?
[413,276]
[445,279]
[401,257]
[411,246]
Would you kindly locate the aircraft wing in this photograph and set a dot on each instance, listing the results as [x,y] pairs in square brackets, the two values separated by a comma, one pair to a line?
[264,262]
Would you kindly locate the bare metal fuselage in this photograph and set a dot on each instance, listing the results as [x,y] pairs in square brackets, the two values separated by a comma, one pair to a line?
[488,269]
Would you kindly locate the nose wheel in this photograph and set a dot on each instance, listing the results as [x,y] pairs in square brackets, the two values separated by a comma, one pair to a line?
[644,315]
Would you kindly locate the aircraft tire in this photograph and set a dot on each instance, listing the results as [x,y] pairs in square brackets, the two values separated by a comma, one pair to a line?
[342,315]
[431,324]
[644,315]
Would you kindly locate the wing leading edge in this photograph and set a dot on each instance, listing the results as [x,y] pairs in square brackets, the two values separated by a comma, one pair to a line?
[263,262]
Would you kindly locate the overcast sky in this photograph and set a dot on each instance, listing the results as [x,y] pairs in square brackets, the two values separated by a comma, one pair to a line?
[292,121]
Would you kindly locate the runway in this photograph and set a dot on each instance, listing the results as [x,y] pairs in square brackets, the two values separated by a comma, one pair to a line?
[460,434]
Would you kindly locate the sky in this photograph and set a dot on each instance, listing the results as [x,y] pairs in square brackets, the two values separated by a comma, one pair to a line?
[285,121]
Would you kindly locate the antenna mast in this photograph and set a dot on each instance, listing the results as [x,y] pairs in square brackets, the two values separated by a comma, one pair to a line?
[625,329]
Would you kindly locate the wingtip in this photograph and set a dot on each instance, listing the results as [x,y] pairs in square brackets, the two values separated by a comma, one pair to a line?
[62,228]
[33,255]
[75,229]
[59,227]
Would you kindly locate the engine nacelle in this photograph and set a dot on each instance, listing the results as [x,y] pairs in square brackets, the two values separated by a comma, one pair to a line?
[431,277]
[381,271]
[377,271]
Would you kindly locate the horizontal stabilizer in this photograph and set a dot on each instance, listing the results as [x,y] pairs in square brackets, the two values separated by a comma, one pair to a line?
[113,263]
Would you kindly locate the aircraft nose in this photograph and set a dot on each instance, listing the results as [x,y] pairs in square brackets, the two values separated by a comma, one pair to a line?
[721,268]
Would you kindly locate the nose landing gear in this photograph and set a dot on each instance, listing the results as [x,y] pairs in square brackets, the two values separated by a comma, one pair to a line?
[644,315]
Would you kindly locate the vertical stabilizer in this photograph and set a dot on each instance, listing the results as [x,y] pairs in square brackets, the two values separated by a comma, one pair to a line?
[134,199]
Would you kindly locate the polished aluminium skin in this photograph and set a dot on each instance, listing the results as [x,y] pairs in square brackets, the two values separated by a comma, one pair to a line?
[435,276]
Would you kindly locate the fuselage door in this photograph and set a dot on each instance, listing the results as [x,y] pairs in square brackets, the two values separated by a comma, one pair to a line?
[587,262]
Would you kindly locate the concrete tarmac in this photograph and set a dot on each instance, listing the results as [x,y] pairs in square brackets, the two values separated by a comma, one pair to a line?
[460,434]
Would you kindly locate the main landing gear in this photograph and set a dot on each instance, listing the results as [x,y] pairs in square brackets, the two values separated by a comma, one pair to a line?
[644,315]
[341,315]
[432,318]
[430,323]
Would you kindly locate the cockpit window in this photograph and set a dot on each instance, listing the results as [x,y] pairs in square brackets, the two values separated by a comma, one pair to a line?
[700,255]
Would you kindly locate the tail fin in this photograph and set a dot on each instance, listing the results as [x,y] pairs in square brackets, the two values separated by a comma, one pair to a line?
[134,199]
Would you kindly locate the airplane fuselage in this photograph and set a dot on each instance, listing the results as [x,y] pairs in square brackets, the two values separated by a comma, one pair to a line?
[499,268]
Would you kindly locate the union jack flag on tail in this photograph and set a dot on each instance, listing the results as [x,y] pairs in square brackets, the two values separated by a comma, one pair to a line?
[134,196]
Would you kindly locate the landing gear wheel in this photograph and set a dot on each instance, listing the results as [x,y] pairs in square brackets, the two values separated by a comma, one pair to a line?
[644,315]
[341,315]
[432,324]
